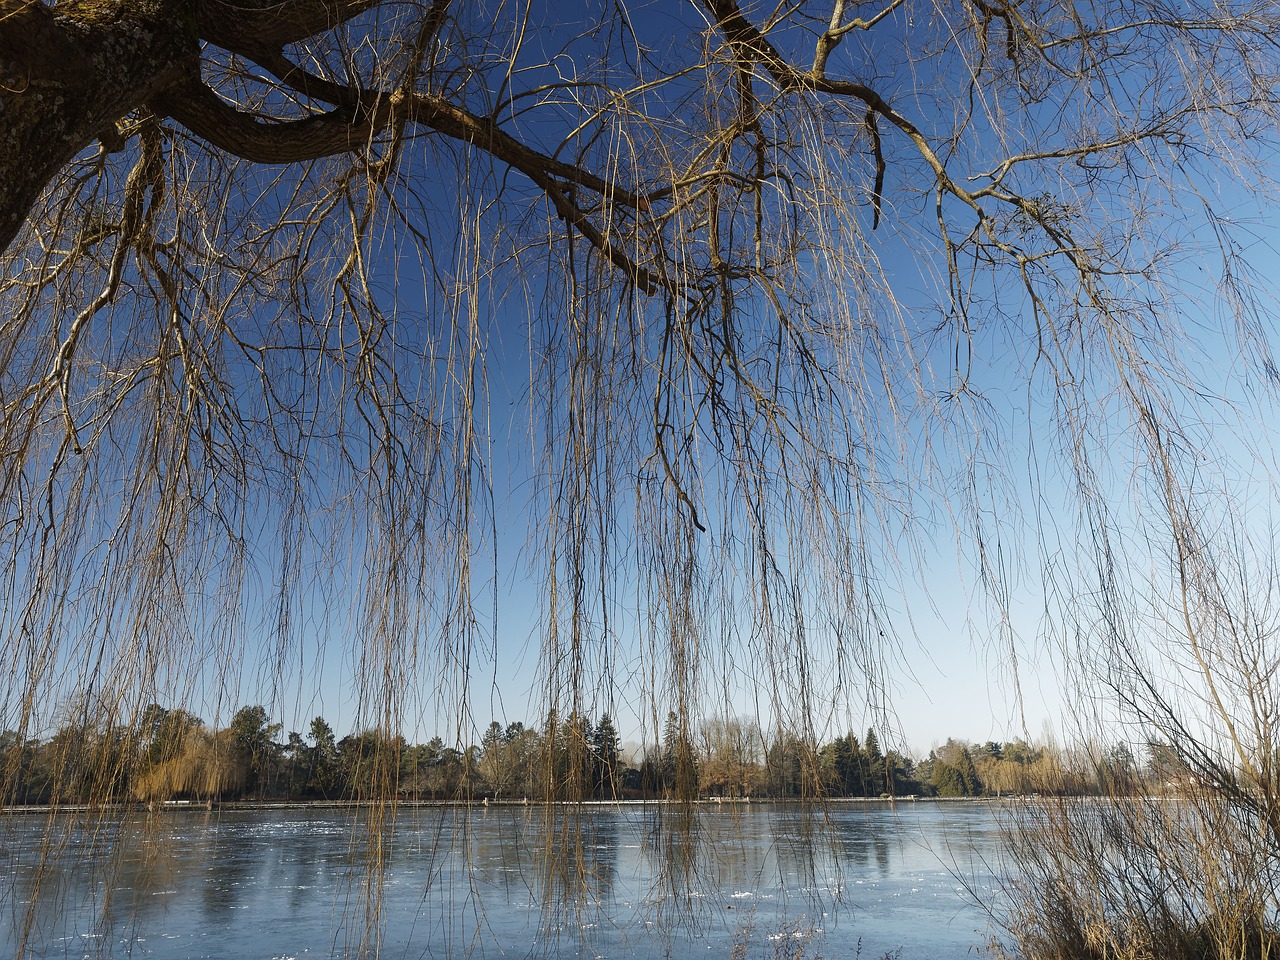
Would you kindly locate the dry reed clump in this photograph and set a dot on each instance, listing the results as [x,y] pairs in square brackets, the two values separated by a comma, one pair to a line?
[1145,878]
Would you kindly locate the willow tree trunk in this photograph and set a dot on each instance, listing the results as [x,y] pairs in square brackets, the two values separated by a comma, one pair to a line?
[68,74]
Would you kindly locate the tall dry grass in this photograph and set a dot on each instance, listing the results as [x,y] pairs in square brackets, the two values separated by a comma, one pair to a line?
[1150,877]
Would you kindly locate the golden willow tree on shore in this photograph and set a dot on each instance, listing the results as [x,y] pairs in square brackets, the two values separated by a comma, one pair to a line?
[784,295]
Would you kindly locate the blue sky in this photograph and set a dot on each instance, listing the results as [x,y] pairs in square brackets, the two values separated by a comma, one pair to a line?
[988,467]
[958,664]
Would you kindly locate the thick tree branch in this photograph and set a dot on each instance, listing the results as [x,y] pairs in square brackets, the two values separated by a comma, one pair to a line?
[342,130]
[461,124]
[360,114]
[306,83]
[427,110]
[43,56]
[246,25]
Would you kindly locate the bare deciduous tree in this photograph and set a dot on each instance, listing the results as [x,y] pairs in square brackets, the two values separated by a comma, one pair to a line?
[797,290]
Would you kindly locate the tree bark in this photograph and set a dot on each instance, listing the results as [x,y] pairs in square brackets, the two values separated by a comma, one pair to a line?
[68,74]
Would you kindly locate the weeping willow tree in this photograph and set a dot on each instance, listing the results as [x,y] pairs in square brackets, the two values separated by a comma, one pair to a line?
[780,296]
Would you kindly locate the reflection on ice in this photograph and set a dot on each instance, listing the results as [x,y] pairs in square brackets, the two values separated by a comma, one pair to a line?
[504,881]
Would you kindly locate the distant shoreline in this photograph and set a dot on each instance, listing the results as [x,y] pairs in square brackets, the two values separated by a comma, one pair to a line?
[193,806]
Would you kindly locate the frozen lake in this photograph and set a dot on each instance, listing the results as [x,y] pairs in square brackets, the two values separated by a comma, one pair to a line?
[853,880]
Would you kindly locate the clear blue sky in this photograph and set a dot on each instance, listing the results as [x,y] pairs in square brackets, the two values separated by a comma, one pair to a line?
[955,677]
[959,665]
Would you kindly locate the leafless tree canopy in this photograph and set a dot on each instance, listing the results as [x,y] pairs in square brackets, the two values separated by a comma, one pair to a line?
[783,296]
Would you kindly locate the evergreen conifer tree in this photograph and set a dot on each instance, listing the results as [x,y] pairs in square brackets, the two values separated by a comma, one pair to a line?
[604,755]
[875,774]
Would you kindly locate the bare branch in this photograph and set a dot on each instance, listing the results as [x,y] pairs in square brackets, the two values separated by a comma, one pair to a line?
[838,29]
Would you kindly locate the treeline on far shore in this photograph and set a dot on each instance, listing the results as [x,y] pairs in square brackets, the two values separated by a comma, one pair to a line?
[171,754]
